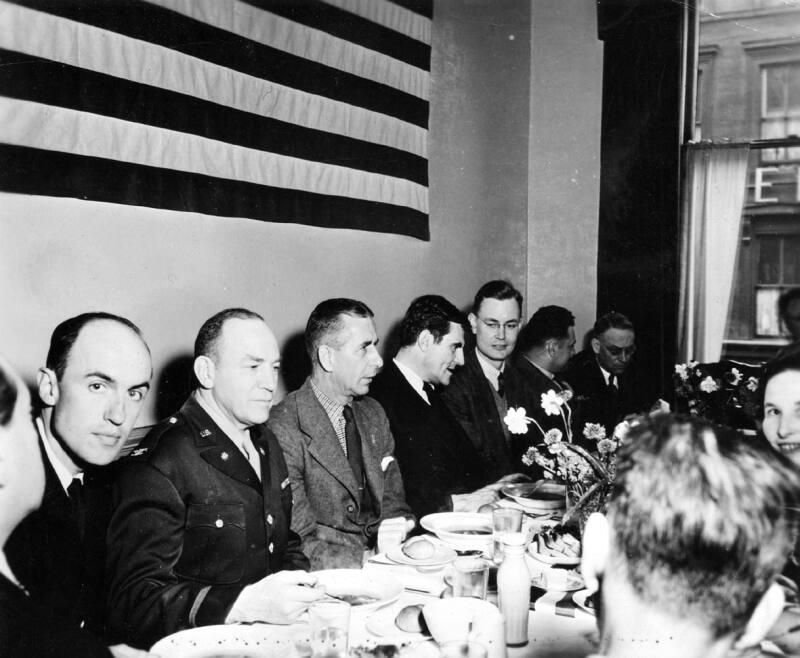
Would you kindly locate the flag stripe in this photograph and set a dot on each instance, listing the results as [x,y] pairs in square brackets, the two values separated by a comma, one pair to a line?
[268,29]
[22,171]
[43,126]
[147,22]
[351,27]
[46,82]
[421,7]
[46,36]
[391,15]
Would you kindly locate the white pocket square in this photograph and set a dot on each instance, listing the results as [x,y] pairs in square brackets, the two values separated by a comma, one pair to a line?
[385,462]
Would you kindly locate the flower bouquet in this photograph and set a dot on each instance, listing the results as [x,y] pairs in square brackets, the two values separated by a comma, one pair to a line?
[587,475]
[724,392]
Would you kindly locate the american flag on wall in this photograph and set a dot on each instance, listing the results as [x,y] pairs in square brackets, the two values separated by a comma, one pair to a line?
[301,111]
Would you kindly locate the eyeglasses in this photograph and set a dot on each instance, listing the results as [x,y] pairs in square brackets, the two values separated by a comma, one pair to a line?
[494,327]
[617,352]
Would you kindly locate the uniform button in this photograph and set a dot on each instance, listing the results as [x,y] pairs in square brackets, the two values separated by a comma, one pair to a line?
[83,623]
[271,547]
[351,508]
[270,519]
[173,420]
[219,523]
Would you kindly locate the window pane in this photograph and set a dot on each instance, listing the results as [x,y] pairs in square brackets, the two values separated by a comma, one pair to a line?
[769,260]
[775,79]
[767,322]
[794,86]
[791,259]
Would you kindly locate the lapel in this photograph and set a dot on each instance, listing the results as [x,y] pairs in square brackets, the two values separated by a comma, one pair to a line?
[406,394]
[217,449]
[323,444]
[260,439]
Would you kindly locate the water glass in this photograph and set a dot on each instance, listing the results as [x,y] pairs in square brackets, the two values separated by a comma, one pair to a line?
[463,649]
[330,623]
[504,519]
[470,577]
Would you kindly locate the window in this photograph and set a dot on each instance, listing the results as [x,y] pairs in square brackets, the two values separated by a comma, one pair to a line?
[778,269]
[780,108]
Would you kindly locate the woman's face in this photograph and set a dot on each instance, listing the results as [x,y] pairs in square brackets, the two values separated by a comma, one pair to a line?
[781,423]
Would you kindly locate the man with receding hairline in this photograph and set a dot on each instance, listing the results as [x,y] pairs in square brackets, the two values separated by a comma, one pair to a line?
[95,380]
[200,530]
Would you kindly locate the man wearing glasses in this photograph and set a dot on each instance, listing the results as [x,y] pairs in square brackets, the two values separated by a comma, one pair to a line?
[480,393]
[601,377]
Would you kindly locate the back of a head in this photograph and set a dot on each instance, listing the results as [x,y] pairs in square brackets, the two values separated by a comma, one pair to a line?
[548,322]
[611,320]
[497,289]
[66,333]
[702,519]
[325,321]
[429,312]
[206,342]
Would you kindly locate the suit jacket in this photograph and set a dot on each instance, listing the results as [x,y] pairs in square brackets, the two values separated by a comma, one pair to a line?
[326,497]
[593,401]
[59,565]
[470,398]
[29,631]
[193,525]
[435,456]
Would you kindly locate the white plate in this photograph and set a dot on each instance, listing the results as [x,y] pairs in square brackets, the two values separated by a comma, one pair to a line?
[381,623]
[573,582]
[561,560]
[442,555]
[355,582]
[540,497]
[580,600]
[242,641]
[461,530]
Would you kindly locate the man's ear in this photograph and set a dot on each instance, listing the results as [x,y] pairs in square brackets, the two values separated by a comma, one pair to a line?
[551,346]
[47,386]
[595,345]
[765,615]
[205,371]
[473,322]
[425,340]
[594,556]
[325,357]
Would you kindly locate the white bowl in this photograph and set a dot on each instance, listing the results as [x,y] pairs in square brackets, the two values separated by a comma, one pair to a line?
[540,497]
[462,531]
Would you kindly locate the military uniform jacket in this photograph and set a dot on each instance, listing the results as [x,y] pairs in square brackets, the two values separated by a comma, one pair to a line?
[326,498]
[192,526]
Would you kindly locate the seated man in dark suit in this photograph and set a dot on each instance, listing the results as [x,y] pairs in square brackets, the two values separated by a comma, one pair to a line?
[602,378]
[480,393]
[28,627]
[200,531]
[92,388]
[442,470]
[337,442]
[546,344]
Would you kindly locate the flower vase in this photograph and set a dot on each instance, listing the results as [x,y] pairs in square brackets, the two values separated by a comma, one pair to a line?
[582,502]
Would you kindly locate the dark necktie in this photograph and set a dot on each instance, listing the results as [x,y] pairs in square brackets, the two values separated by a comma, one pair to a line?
[430,392]
[501,391]
[353,441]
[613,399]
[76,492]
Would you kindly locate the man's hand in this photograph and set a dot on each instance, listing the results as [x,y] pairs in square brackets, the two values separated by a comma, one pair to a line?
[472,502]
[124,651]
[393,532]
[277,599]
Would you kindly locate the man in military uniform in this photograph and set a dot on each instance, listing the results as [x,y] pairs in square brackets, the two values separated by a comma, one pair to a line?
[200,531]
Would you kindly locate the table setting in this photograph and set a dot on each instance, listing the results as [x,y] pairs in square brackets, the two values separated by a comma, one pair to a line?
[435,594]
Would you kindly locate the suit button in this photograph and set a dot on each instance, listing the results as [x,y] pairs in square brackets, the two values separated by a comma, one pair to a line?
[271,547]
[219,523]
[351,508]
[173,420]
[270,519]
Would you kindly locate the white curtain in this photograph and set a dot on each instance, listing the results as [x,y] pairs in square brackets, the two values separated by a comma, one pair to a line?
[712,219]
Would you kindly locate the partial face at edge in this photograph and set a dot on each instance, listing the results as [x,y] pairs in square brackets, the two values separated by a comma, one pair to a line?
[781,423]
[101,392]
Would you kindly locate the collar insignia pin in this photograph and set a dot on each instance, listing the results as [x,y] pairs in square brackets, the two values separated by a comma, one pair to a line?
[205,433]
[224,456]
[261,450]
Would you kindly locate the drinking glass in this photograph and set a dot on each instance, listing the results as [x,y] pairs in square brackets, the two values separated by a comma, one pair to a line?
[330,622]
[504,519]
[470,577]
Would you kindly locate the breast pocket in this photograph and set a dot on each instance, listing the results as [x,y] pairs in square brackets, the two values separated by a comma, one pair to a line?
[214,544]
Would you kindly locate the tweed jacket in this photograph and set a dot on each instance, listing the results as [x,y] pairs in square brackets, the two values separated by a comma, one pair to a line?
[193,525]
[61,567]
[470,398]
[326,498]
[435,456]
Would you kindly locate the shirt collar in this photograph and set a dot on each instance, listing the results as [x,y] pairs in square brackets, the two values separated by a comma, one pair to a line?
[62,472]
[544,371]
[333,408]
[489,370]
[230,430]
[606,375]
[414,379]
